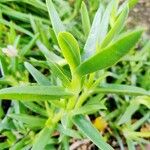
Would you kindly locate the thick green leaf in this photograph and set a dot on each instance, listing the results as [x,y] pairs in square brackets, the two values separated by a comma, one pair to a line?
[55,20]
[31,121]
[38,76]
[70,48]
[122,89]
[111,54]
[85,19]
[92,133]
[42,139]
[117,27]
[90,45]
[105,21]
[34,93]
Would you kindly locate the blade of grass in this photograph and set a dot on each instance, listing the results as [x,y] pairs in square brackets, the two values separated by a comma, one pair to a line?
[38,76]
[92,133]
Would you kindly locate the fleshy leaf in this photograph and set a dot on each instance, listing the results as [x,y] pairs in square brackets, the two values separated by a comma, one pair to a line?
[55,20]
[70,49]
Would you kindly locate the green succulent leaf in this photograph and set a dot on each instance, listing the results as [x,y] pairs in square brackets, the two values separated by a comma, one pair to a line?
[55,20]
[95,30]
[105,21]
[34,93]
[85,19]
[70,49]
[92,133]
[116,28]
[111,54]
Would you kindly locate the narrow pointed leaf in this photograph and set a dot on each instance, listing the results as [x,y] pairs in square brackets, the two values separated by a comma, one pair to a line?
[58,72]
[91,132]
[42,139]
[34,93]
[29,120]
[117,27]
[70,48]
[35,108]
[18,28]
[50,55]
[105,21]
[69,132]
[139,122]
[55,20]
[38,76]
[111,54]
[133,107]
[85,19]
[89,109]
[122,89]
[93,36]
[130,110]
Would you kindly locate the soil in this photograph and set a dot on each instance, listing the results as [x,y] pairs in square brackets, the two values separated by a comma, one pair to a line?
[140,15]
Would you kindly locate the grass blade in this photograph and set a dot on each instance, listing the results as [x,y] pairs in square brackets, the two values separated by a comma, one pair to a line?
[38,76]
[92,133]
[42,138]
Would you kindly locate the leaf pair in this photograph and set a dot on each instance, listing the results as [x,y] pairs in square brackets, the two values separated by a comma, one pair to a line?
[111,54]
